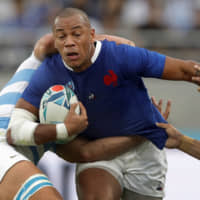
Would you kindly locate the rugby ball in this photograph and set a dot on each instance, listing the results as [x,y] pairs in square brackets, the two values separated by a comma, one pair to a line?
[55,104]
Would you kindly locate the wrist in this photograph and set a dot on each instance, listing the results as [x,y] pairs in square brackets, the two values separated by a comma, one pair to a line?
[61,132]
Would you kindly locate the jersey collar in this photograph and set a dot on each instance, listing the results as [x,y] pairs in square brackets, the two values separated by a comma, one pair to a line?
[93,58]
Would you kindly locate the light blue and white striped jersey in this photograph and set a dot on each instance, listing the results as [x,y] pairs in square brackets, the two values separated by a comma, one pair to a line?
[12,91]
[9,96]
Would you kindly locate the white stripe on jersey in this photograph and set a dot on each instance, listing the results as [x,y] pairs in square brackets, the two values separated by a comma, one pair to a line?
[18,86]
[6,110]
[15,87]
[13,90]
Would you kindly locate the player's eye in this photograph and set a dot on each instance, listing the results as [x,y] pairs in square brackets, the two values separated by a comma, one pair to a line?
[77,34]
[61,36]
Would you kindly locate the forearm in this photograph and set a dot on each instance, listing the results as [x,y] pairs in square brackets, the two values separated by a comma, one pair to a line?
[118,40]
[190,146]
[81,150]
[24,130]
[177,69]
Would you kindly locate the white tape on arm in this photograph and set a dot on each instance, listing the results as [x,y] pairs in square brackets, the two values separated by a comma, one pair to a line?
[62,134]
[22,125]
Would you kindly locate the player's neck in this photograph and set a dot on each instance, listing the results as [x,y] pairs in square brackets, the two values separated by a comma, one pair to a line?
[93,55]
[88,62]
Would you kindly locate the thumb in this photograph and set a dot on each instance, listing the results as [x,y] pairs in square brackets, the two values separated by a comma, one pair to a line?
[162,125]
[73,107]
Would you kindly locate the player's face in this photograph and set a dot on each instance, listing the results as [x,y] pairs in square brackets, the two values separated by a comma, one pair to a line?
[74,40]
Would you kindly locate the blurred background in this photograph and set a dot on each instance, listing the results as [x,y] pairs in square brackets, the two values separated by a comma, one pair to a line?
[171,27]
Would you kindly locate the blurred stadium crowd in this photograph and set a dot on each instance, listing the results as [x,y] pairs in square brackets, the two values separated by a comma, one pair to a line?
[110,14]
[155,24]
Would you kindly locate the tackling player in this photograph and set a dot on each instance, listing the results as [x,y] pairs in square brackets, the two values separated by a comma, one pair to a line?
[103,72]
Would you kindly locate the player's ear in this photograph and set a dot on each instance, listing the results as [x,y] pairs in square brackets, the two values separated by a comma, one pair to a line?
[92,34]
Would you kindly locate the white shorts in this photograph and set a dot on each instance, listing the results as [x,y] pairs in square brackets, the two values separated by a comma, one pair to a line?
[10,155]
[142,169]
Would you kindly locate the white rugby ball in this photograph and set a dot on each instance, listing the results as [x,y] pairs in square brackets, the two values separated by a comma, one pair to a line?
[55,104]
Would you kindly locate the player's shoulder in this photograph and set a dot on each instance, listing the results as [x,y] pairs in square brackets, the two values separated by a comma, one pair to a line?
[53,59]
[113,46]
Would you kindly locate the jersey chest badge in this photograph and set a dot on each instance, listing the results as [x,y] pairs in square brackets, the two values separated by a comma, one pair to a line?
[110,78]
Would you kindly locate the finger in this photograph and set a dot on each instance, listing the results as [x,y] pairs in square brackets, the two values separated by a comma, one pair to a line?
[73,107]
[199,89]
[82,108]
[160,103]
[197,70]
[196,80]
[168,109]
[153,99]
[162,125]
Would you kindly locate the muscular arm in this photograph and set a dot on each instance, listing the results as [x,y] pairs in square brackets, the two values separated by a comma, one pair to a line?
[178,140]
[82,150]
[25,116]
[177,69]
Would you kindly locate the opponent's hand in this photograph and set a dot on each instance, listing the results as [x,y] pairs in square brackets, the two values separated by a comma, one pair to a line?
[44,47]
[196,76]
[159,105]
[76,123]
[174,136]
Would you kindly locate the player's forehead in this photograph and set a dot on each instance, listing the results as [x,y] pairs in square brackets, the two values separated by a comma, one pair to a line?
[70,23]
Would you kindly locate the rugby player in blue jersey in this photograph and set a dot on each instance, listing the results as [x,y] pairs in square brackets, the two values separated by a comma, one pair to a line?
[20,178]
[107,80]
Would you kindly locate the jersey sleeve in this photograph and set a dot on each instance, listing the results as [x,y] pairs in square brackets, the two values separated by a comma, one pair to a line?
[141,62]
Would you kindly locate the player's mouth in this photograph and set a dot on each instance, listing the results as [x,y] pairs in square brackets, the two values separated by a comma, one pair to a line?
[72,56]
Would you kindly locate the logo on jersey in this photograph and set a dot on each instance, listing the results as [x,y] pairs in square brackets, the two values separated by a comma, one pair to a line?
[160,187]
[91,96]
[111,78]
[70,85]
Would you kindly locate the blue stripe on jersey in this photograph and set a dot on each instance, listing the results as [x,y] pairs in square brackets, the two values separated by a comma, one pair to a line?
[10,98]
[4,122]
[29,183]
[35,154]
[36,188]
[23,75]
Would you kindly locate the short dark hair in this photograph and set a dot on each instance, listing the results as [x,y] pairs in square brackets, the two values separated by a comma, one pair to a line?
[68,12]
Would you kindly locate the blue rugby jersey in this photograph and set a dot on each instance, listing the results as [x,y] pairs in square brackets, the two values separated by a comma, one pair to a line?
[9,96]
[111,89]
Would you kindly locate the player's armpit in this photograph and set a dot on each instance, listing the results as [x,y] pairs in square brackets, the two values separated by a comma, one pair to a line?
[82,150]
[117,39]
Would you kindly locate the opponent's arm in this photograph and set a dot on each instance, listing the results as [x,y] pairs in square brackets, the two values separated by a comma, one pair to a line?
[44,47]
[177,69]
[117,39]
[178,140]
[82,150]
